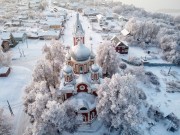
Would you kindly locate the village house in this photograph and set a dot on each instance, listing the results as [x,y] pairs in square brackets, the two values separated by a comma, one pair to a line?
[6,36]
[5,45]
[14,23]
[20,36]
[101,19]
[34,4]
[125,32]
[90,12]
[120,46]
[48,35]
[109,15]
[173,122]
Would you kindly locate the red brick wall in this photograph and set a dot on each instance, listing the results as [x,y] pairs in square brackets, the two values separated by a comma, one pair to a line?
[94,93]
[68,95]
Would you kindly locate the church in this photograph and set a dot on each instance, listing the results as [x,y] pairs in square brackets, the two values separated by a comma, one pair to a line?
[80,76]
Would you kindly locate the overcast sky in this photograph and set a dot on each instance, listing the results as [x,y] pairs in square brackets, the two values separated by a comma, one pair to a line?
[154,5]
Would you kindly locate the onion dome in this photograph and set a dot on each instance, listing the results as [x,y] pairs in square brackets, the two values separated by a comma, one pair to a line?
[80,52]
[95,68]
[67,69]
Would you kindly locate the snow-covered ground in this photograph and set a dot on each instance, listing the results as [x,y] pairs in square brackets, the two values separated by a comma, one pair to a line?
[11,88]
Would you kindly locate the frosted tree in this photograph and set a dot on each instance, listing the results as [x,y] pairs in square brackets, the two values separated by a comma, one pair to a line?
[107,58]
[43,5]
[169,41]
[118,103]
[55,119]
[142,31]
[48,114]
[5,58]
[5,125]
[58,118]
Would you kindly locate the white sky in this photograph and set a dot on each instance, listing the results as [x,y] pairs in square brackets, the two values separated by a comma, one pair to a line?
[154,5]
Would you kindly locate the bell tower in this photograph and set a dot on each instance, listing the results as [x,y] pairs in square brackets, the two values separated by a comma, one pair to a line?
[78,34]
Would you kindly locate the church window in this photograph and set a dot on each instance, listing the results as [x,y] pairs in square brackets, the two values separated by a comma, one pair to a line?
[81,69]
[82,87]
[83,108]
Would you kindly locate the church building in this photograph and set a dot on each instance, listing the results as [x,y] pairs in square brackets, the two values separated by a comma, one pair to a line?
[80,76]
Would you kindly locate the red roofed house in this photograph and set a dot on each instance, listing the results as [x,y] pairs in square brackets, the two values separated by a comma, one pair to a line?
[120,46]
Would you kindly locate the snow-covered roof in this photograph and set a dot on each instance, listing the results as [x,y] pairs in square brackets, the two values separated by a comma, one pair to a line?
[18,34]
[83,78]
[83,100]
[115,39]
[3,70]
[99,16]
[49,33]
[125,32]
[80,52]
[5,36]
[90,11]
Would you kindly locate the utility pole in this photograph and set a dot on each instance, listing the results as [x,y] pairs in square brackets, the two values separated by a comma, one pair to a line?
[10,109]
[169,71]
[26,42]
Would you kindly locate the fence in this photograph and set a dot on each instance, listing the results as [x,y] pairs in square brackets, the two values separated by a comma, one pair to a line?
[149,64]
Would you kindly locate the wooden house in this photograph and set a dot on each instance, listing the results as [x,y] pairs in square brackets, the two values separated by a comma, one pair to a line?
[5,45]
[120,46]
[4,71]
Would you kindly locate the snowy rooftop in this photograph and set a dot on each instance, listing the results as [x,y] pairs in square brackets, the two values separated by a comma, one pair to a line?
[3,70]
[83,99]
[125,32]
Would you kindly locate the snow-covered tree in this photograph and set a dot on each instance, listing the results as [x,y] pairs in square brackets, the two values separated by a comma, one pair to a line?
[5,58]
[49,115]
[119,105]
[5,125]
[142,31]
[43,5]
[107,58]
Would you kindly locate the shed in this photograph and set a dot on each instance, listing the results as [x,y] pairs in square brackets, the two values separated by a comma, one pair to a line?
[5,45]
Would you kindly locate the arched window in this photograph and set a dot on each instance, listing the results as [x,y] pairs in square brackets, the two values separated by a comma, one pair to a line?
[81,69]
[83,108]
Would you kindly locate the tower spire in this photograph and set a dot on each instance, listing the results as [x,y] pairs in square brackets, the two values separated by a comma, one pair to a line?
[78,31]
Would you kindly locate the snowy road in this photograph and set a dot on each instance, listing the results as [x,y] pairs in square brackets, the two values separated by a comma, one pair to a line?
[12,90]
